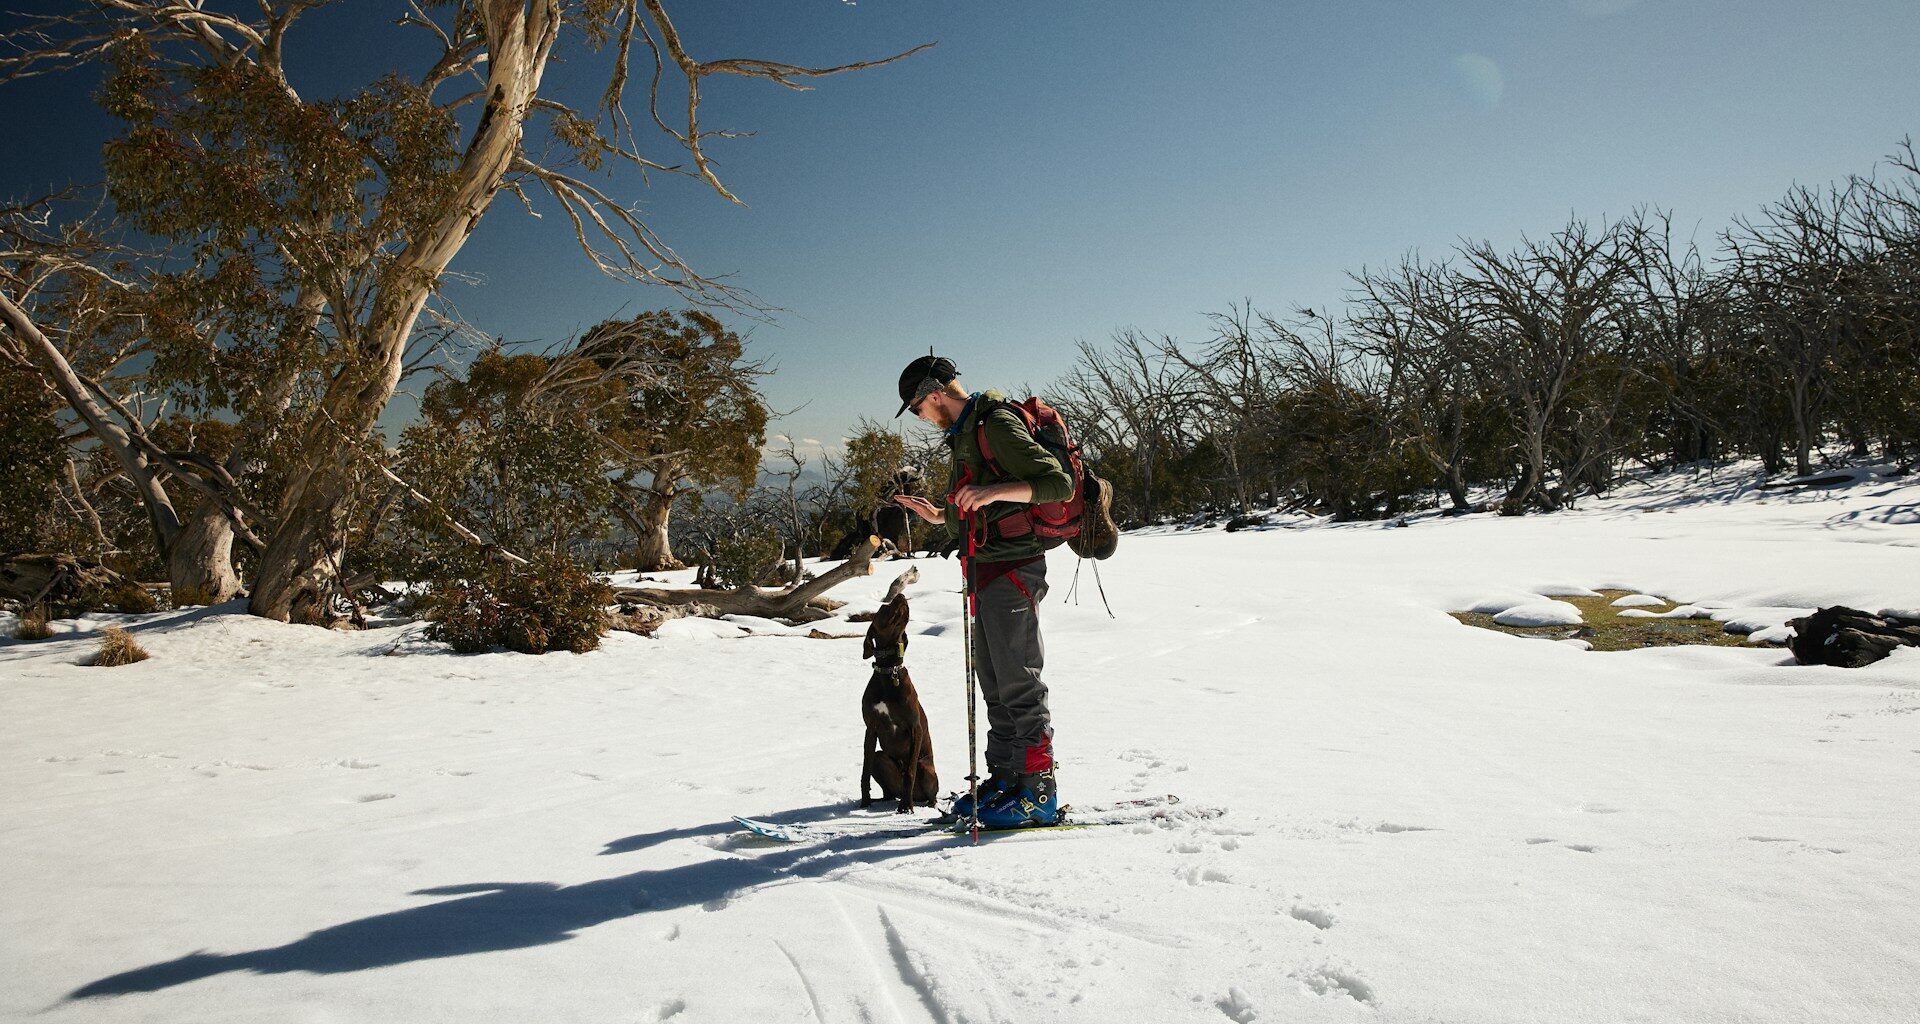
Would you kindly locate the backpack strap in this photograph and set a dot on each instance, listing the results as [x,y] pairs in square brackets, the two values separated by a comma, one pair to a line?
[980,432]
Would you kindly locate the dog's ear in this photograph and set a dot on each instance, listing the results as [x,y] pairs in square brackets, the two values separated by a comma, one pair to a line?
[867,645]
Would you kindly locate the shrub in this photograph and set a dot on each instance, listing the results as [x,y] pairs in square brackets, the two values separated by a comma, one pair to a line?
[33,626]
[117,647]
[746,558]
[533,609]
[130,597]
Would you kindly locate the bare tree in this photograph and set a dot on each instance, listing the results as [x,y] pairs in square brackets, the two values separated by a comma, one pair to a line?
[1415,322]
[1546,312]
[1795,271]
[1136,399]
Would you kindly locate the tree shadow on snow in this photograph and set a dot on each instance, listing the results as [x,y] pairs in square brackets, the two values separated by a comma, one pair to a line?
[490,916]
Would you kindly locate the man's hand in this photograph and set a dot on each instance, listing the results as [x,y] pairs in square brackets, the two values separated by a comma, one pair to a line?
[922,507]
[971,498]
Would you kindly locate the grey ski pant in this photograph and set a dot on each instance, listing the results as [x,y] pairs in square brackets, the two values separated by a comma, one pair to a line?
[1008,655]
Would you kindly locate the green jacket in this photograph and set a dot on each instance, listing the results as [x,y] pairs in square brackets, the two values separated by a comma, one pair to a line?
[1019,456]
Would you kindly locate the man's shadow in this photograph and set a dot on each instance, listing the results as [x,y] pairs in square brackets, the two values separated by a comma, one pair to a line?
[514,915]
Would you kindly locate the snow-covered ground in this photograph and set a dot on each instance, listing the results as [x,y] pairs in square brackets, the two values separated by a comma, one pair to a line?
[1425,822]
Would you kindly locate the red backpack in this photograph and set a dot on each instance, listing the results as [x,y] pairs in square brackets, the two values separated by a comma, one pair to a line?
[1055,522]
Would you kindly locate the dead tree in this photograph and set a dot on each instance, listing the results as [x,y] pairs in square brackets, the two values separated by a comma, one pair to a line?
[1546,313]
[800,602]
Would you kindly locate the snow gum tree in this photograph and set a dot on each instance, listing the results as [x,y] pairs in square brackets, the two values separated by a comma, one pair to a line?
[525,476]
[323,224]
[696,422]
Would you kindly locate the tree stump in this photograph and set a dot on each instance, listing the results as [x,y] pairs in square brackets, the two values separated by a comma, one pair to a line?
[1848,637]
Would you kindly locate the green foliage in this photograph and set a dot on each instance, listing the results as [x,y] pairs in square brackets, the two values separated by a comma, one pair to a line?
[549,605]
[746,557]
[529,477]
[874,455]
[700,419]
[31,459]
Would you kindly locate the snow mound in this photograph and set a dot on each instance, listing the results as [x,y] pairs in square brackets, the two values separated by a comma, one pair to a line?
[1685,611]
[1540,613]
[1495,603]
[1565,590]
[1758,620]
[1639,601]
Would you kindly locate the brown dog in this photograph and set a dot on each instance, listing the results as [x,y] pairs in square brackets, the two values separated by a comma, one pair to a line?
[898,749]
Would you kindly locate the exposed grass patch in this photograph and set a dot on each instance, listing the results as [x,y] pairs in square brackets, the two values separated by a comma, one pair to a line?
[1607,630]
[117,647]
[33,627]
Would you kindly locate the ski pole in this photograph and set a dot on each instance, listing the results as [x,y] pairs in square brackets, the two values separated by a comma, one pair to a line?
[968,609]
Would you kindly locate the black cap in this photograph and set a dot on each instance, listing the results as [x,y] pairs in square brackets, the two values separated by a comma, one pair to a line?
[937,369]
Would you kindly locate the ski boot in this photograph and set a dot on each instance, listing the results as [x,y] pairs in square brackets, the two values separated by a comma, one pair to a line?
[1030,801]
[990,790]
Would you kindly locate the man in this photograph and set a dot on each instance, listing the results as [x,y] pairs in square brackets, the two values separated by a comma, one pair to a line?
[1008,571]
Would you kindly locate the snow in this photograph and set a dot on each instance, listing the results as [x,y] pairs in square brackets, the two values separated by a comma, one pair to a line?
[1425,821]
[1639,601]
[1540,613]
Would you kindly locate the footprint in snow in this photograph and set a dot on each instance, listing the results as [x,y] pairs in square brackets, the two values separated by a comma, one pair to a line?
[1388,826]
[1312,915]
[371,797]
[1237,1007]
[1537,842]
[1327,981]
[1583,848]
[672,1008]
[1199,875]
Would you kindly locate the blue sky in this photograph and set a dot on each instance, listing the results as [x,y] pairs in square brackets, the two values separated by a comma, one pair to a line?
[1052,171]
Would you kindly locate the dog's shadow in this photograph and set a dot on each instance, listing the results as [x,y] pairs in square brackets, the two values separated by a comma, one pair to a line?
[490,916]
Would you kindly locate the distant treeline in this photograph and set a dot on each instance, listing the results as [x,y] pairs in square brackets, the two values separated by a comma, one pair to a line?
[1543,370]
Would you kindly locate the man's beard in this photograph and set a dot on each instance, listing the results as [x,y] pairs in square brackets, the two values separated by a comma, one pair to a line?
[941,417]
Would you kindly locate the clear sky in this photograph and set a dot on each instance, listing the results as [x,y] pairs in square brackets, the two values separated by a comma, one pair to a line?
[1052,171]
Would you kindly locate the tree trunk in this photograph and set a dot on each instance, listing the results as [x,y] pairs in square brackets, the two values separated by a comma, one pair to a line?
[299,576]
[655,549]
[200,566]
[1456,483]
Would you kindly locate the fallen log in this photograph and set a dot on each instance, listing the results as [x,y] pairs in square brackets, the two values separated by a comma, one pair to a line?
[57,584]
[802,602]
[1830,480]
[1848,637]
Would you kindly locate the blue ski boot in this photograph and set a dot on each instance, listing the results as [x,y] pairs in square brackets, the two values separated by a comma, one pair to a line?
[1031,801]
[990,790]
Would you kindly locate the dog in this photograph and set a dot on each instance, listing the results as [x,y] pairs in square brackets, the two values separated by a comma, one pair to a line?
[898,748]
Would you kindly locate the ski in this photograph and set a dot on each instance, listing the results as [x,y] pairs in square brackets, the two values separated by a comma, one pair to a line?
[1159,808]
